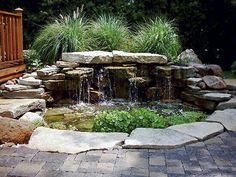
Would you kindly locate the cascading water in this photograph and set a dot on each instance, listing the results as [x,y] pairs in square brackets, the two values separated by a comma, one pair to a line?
[133,90]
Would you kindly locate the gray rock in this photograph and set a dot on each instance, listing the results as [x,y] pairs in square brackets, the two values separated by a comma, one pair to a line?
[140,81]
[164,71]
[214,82]
[27,75]
[121,72]
[219,97]
[17,87]
[199,130]
[30,81]
[47,71]
[144,58]
[67,141]
[231,84]
[193,81]
[80,72]
[16,107]
[183,72]
[64,64]
[188,57]
[31,117]
[25,94]
[205,104]
[55,85]
[92,57]
[58,76]
[231,104]
[157,138]
[226,117]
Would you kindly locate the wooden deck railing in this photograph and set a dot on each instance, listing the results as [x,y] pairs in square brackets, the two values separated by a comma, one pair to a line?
[11,42]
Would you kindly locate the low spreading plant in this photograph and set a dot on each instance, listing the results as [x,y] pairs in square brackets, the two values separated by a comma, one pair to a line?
[126,121]
[109,33]
[158,36]
[66,34]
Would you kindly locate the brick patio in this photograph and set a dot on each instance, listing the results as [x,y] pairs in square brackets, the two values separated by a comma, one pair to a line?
[213,157]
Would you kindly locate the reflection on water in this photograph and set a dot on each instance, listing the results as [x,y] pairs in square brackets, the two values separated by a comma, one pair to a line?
[81,116]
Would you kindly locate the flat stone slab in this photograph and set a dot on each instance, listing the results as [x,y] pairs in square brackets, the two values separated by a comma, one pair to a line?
[226,117]
[199,130]
[231,104]
[157,138]
[27,94]
[47,71]
[144,58]
[92,57]
[16,107]
[30,81]
[217,96]
[67,141]
[16,87]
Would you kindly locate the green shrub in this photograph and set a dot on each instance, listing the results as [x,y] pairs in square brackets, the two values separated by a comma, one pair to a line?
[158,36]
[109,33]
[67,34]
[32,59]
[233,67]
[124,121]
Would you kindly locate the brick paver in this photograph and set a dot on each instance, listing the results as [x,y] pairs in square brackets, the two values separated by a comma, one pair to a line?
[213,157]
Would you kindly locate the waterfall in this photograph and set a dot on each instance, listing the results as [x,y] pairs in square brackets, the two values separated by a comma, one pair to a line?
[133,90]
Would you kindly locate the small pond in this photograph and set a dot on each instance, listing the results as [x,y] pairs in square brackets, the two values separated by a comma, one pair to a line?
[81,116]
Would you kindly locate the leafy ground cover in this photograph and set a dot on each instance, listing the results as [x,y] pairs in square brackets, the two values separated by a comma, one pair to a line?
[126,121]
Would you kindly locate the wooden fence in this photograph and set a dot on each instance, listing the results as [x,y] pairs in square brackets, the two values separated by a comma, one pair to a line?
[11,45]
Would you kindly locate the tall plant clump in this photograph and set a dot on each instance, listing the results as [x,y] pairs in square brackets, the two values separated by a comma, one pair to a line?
[66,34]
[109,33]
[158,36]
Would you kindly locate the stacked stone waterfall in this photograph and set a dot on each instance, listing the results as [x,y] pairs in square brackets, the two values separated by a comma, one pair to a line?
[97,75]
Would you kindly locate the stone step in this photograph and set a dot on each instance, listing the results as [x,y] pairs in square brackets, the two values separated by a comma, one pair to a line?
[226,117]
[14,108]
[67,141]
[24,94]
[157,138]
[199,130]
[231,104]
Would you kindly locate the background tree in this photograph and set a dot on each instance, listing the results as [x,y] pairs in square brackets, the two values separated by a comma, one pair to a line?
[207,26]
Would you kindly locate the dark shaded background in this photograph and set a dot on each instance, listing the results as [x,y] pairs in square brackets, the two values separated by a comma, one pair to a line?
[207,26]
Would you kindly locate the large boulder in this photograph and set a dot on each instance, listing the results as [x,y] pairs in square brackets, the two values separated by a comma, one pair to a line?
[189,57]
[143,58]
[214,82]
[15,131]
[92,57]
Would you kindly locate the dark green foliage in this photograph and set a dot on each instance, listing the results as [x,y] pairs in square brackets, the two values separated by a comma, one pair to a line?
[108,33]
[205,26]
[158,36]
[126,121]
